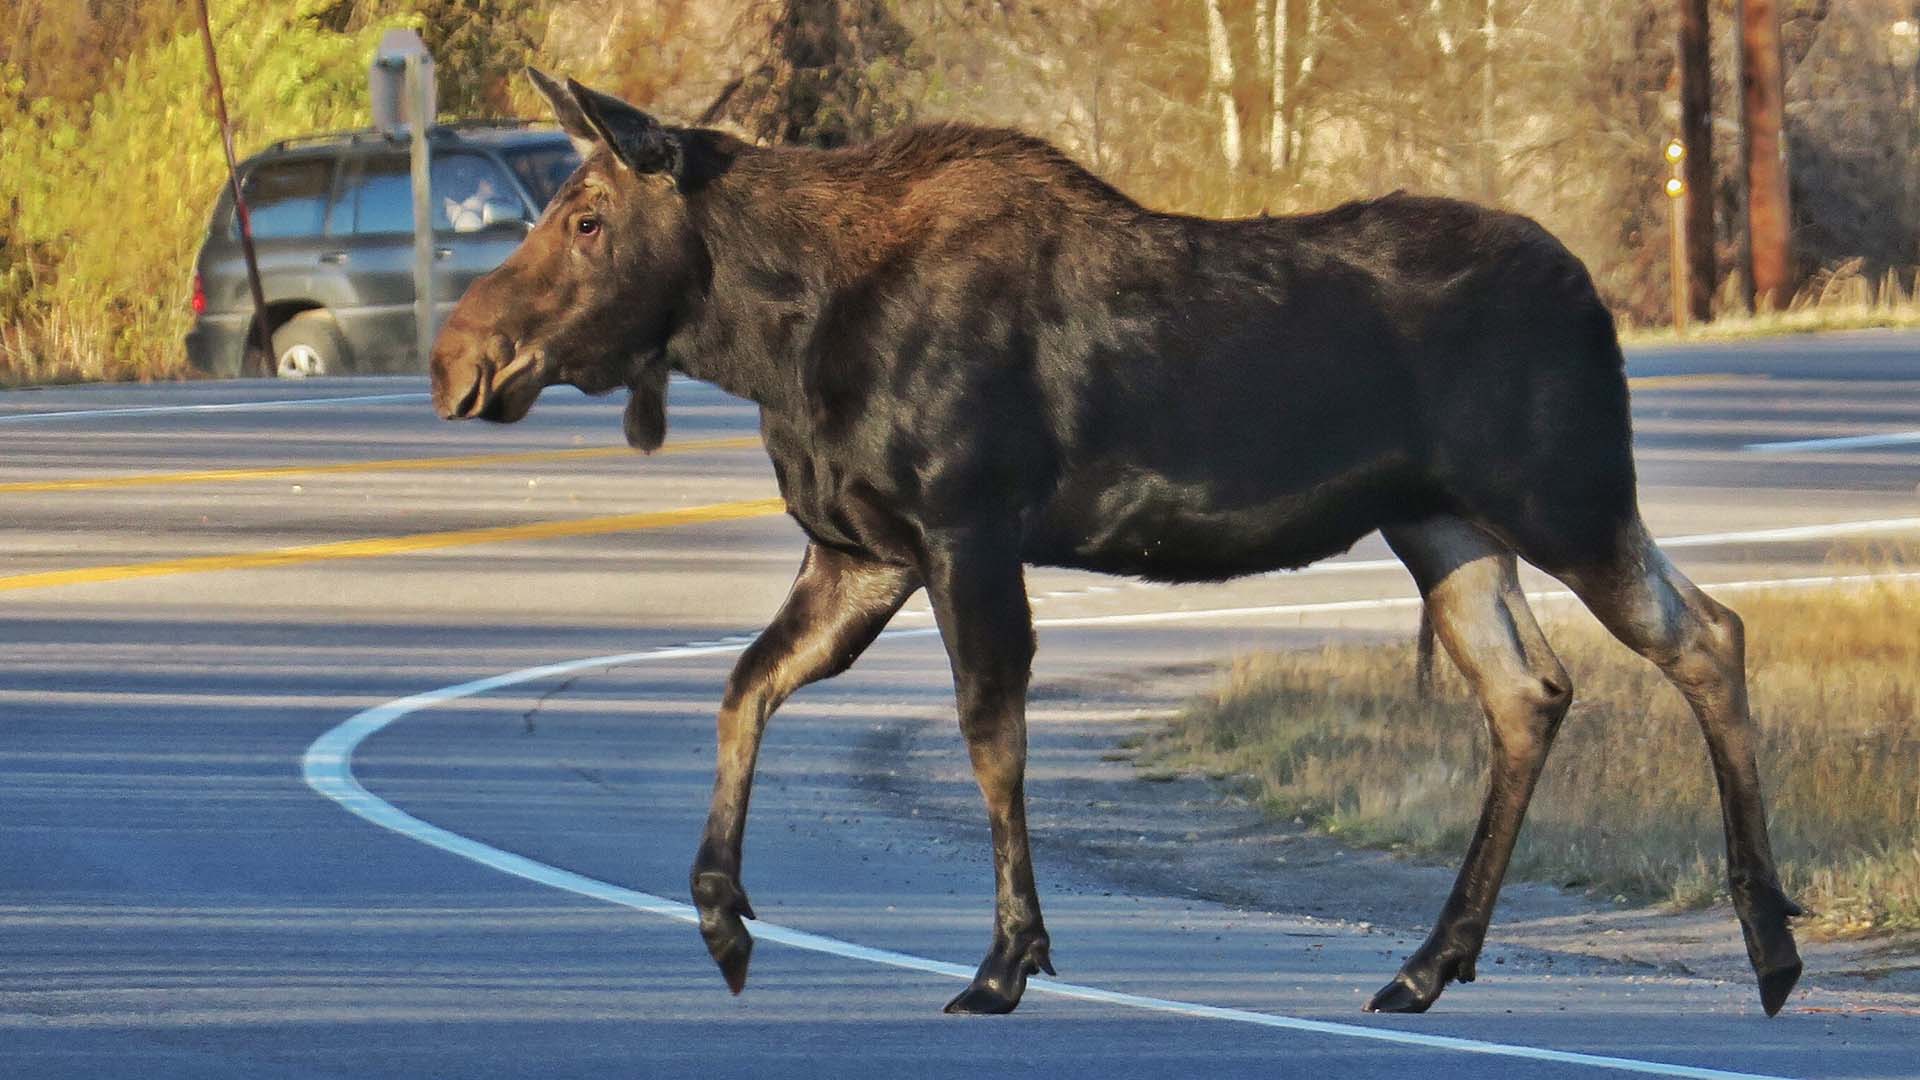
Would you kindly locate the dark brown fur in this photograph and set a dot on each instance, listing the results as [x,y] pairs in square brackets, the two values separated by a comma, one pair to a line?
[970,354]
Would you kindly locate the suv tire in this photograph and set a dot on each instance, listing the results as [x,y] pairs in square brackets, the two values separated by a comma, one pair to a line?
[308,345]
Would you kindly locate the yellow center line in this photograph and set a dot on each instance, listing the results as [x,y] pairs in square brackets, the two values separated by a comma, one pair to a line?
[530,457]
[400,545]
[424,464]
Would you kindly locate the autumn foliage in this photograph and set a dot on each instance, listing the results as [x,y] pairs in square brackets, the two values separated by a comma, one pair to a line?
[109,159]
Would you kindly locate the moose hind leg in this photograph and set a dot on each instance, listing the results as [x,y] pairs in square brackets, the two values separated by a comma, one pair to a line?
[837,606]
[1472,591]
[1700,645]
[980,600]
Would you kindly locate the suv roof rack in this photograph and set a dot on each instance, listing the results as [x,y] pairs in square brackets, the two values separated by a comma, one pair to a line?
[370,135]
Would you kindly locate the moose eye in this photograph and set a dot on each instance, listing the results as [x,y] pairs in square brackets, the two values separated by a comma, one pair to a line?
[587,225]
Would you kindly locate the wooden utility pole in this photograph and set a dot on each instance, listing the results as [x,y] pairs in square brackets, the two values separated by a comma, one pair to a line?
[1696,134]
[240,215]
[1763,145]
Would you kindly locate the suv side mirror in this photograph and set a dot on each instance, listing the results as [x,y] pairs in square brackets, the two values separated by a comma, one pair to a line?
[502,212]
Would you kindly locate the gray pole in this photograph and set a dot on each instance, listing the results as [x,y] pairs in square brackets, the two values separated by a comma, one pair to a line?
[419,109]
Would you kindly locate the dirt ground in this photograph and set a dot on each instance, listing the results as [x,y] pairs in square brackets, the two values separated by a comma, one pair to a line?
[1096,820]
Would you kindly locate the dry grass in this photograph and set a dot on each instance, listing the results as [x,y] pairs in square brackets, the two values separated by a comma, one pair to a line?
[1628,805]
[60,345]
[1840,298]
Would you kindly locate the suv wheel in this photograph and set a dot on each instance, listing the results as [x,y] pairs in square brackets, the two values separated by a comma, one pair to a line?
[308,345]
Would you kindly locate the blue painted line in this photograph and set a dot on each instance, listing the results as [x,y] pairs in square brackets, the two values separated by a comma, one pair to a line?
[1843,442]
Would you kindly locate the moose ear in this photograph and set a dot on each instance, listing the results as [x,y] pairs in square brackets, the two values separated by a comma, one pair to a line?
[638,140]
[567,111]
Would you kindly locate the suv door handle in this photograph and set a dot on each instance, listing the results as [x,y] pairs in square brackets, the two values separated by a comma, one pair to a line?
[333,257]
[442,253]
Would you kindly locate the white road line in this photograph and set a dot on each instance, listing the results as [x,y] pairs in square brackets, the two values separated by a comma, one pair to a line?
[328,769]
[1846,442]
[1388,603]
[225,406]
[1795,532]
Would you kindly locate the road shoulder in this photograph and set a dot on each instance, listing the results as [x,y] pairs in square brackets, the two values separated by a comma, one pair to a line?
[1098,823]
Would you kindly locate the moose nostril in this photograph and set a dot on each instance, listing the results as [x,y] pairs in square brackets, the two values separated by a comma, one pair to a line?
[469,402]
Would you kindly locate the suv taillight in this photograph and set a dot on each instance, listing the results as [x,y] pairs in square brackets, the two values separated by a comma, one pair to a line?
[199,296]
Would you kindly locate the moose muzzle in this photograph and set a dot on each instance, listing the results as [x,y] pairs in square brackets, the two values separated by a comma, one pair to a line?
[481,374]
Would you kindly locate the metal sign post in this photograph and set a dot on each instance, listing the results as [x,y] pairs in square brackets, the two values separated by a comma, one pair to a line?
[401,85]
[420,113]
[1676,155]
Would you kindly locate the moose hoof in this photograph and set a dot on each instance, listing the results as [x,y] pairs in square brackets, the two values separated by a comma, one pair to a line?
[1777,966]
[732,953]
[723,904]
[1776,984]
[1770,945]
[981,999]
[996,988]
[1399,997]
[1418,985]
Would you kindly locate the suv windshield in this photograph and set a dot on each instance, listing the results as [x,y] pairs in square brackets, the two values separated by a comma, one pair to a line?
[543,169]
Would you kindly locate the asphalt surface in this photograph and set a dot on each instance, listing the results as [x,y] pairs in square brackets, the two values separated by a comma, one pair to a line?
[177,900]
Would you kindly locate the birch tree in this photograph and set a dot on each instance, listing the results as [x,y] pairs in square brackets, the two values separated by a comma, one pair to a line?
[1308,49]
[1221,82]
[1270,29]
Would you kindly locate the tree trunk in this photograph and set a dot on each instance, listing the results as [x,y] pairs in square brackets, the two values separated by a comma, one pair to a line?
[1441,34]
[1279,137]
[1220,79]
[1696,131]
[819,79]
[1309,50]
[1762,86]
[1489,120]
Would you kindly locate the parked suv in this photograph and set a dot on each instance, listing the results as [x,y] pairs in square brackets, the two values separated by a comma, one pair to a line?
[333,229]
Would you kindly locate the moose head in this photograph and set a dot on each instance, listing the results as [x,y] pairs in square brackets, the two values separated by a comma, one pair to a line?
[592,295]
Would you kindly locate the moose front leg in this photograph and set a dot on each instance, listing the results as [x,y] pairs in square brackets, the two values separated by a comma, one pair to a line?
[839,603]
[980,600]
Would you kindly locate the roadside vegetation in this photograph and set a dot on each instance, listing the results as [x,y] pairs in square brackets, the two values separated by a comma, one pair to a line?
[1558,109]
[1842,298]
[109,174]
[1339,739]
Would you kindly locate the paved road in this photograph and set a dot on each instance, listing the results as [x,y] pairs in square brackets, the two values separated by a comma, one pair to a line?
[196,586]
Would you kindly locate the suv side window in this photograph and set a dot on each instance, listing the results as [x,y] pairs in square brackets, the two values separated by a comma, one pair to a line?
[382,197]
[462,184]
[288,198]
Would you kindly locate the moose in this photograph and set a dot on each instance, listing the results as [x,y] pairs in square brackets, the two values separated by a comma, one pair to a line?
[970,355]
